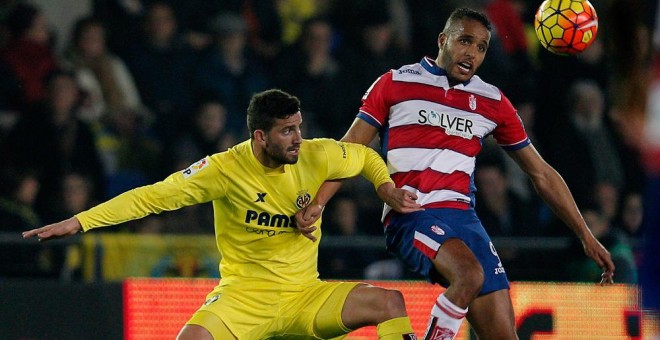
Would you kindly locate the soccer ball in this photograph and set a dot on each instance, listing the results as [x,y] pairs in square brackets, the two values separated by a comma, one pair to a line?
[566,26]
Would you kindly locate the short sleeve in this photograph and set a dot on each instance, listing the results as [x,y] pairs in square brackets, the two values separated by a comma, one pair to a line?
[375,102]
[510,132]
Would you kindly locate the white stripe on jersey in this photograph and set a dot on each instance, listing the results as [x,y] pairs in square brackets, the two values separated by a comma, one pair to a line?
[441,160]
[431,197]
[407,113]
[439,196]
[416,73]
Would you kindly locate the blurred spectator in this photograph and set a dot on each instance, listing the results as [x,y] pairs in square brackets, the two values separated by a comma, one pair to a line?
[229,72]
[264,30]
[130,154]
[106,81]
[606,196]
[52,140]
[427,14]
[293,14]
[635,78]
[502,211]
[506,17]
[192,17]
[343,221]
[310,70]
[369,51]
[581,268]
[10,100]
[77,193]
[518,180]
[509,35]
[18,194]
[630,214]
[163,66]
[29,53]
[61,16]
[209,135]
[587,154]
[555,75]
[123,19]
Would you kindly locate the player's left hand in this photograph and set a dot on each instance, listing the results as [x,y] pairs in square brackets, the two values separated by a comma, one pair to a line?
[305,219]
[401,200]
[57,230]
[597,252]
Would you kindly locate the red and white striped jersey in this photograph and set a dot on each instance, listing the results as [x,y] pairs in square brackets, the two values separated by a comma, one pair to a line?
[431,133]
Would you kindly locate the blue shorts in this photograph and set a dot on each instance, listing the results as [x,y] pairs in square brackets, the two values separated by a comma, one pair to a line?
[416,237]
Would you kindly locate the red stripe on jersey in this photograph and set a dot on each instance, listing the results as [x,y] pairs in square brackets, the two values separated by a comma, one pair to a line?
[448,204]
[431,137]
[426,250]
[428,180]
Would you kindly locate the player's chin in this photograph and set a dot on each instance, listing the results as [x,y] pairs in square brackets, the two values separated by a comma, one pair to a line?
[292,159]
[462,76]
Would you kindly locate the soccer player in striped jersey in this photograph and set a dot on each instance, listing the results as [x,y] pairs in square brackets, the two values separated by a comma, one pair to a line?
[270,285]
[432,117]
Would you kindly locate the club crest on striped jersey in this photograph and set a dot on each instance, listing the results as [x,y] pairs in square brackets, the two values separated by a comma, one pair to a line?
[472,101]
[195,167]
[303,199]
[437,230]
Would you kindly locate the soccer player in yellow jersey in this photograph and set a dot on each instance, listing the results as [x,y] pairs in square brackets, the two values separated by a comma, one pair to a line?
[270,286]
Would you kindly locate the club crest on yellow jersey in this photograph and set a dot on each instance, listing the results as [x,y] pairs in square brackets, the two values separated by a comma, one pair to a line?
[303,199]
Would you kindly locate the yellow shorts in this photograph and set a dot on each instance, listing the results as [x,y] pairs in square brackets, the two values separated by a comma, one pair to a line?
[263,310]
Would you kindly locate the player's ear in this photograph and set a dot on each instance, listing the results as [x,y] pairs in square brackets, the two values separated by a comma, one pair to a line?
[260,136]
[442,40]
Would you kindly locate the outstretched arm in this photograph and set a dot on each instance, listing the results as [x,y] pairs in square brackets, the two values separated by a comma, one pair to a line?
[173,193]
[552,188]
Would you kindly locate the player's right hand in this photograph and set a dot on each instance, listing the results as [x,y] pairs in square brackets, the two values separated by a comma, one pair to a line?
[61,229]
[597,252]
[400,200]
[305,219]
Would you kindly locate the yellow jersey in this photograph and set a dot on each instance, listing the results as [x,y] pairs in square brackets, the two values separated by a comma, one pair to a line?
[254,206]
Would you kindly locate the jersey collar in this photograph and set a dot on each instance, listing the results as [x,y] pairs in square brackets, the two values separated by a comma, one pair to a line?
[430,65]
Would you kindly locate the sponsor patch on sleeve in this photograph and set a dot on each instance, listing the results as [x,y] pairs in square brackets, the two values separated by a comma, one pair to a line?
[195,167]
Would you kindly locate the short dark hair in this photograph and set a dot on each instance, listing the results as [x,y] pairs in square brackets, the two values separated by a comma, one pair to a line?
[464,12]
[267,106]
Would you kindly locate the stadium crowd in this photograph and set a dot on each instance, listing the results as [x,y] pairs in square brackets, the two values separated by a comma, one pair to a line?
[134,90]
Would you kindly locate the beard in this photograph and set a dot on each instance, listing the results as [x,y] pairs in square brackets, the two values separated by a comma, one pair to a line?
[280,155]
